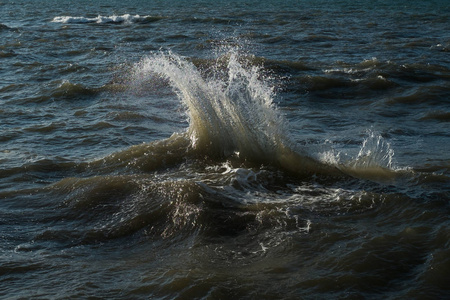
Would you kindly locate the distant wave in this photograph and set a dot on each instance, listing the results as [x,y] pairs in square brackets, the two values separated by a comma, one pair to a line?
[126,18]
[60,90]
[438,116]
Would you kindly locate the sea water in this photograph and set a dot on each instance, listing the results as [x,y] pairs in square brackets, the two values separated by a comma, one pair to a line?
[224,149]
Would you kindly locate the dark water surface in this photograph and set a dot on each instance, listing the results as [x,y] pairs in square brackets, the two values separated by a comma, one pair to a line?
[221,149]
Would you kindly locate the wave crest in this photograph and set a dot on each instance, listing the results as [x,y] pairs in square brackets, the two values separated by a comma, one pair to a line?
[126,18]
[230,112]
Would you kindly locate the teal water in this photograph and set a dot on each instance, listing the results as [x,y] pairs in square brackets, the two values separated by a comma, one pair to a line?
[220,149]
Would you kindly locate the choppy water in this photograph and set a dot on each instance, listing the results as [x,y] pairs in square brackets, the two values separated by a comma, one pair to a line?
[216,150]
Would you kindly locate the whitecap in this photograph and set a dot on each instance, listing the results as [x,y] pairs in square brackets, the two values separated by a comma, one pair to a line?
[126,18]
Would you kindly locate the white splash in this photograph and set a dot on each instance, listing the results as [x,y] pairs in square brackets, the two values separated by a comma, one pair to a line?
[375,159]
[228,115]
[375,152]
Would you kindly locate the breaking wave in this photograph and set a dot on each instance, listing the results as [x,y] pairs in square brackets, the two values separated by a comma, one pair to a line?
[126,18]
[231,113]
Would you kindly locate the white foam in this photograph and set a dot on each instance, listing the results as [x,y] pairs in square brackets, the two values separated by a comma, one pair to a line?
[126,18]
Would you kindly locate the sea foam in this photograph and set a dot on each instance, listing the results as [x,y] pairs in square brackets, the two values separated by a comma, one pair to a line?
[126,18]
